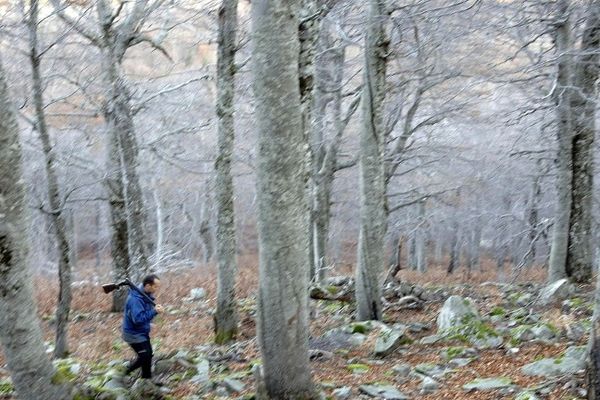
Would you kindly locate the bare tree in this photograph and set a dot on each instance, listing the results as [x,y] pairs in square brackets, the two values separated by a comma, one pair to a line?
[583,128]
[560,236]
[20,333]
[56,209]
[282,203]
[373,222]
[226,315]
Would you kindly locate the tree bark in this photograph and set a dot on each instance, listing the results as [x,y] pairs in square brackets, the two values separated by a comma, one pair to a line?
[583,125]
[20,333]
[118,220]
[282,202]
[420,239]
[560,236]
[226,316]
[56,212]
[372,174]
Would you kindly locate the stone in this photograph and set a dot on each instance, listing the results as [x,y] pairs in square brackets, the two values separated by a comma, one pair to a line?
[575,332]
[556,291]
[526,396]
[402,370]
[484,384]
[233,385]
[144,389]
[197,294]
[431,370]
[319,355]
[460,362]
[455,311]
[572,362]
[543,332]
[389,340]
[524,299]
[431,339]
[487,342]
[522,333]
[387,392]
[343,393]
[202,372]
[429,385]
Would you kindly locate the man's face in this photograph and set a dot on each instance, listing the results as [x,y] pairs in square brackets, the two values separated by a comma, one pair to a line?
[152,288]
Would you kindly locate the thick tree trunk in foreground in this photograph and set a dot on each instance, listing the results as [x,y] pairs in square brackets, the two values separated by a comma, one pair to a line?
[226,316]
[282,203]
[372,186]
[20,333]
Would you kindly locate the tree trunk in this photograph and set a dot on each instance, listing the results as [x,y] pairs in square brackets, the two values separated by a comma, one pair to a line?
[329,85]
[533,220]
[420,239]
[118,221]
[226,316]
[475,245]
[57,212]
[560,236]
[454,248]
[583,126]
[205,229]
[282,203]
[118,113]
[372,174]
[20,333]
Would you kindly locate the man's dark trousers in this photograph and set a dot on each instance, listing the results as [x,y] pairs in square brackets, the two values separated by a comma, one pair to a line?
[143,360]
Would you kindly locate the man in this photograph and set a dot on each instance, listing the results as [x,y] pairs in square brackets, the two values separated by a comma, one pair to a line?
[139,312]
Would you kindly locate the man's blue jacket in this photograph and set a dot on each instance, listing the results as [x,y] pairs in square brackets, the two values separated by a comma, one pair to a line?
[139,312]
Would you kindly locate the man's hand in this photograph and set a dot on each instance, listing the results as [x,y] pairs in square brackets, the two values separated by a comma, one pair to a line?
[159,309]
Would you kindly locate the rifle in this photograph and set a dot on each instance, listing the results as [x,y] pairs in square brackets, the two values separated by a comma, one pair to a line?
[110,287]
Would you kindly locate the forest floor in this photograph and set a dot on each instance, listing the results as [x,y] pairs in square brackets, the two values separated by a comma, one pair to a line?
[187,325]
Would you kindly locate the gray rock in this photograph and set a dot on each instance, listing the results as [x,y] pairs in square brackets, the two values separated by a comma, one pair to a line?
[164,366]
[484,384]
[389,340]
[221,392]
[556,291]
[387,392]
[233,385]
[418,327]
[431,370]
[343,393]
[572,362]
[144,389]
[460,362]
[319,355]
[524,299]
[522,333]
[197,294]
[431,339]
[402,370]
[526,396]
[488,342]
[202,372]
[575,331]
[357,339]
[454,312]
[429,385]
[543,332]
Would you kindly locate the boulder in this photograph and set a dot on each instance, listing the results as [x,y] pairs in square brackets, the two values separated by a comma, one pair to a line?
[556,291]
[455,312]
[484,384]
[389,340]
[343,393]
[387,392]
